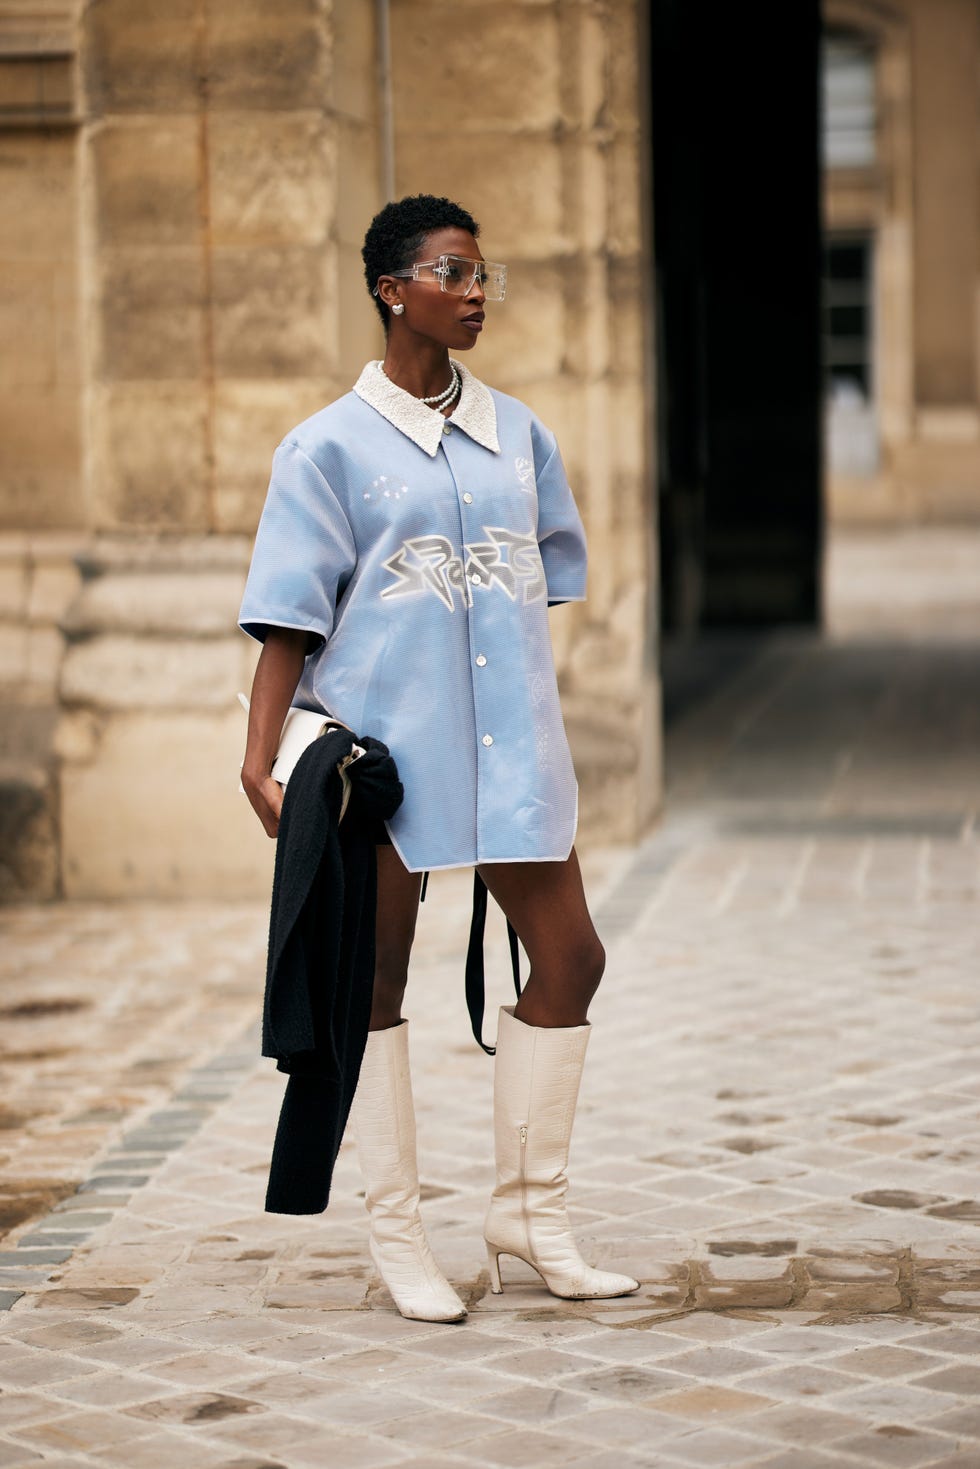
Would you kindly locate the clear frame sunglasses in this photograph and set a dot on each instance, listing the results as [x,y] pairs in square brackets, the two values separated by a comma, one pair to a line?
[457,275]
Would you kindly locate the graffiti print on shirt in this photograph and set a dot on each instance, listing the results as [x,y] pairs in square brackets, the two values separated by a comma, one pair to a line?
[506,561]
[525,474]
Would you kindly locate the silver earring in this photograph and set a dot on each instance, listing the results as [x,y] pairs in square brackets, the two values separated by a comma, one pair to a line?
[397,309]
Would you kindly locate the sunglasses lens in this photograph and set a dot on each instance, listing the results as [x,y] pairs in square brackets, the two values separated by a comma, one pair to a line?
[458,276]
[494,281]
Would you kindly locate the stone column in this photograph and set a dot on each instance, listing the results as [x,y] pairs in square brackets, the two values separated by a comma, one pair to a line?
[942,465]
[225,144]
[547,150]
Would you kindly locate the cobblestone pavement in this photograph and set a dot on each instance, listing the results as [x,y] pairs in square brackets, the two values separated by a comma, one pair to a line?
[779,1134]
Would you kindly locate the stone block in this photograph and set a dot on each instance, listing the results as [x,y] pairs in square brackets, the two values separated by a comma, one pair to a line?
[625,185]
[160,602]
[518,207]
[745,1294]
[53,585]
[27,317]
[136,59]
[151,324]
[628,449]
[587,202]
[175,777]
[275,312]
[628,302]
[250,418]
[14,585]
[28,838]
[272,178]
[77,736]
[360,334]
[117,672]
[624,60]
[524,338]
[45,650]
[269,58]
[40,200]
[146,178]
[354,88]
[857,1296]
[13,653]
[40,459]
[149,456]
[452,55]
[358,192]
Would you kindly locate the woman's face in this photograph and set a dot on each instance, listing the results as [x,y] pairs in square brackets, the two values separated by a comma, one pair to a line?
[434,315]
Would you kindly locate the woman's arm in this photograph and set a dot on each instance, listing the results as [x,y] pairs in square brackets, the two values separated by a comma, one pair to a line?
[276,676]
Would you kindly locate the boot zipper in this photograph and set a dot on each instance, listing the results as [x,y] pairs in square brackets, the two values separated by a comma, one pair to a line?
[524,1213]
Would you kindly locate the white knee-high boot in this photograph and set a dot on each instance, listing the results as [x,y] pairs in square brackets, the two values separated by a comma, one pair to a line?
[535,1089]
[384,1122]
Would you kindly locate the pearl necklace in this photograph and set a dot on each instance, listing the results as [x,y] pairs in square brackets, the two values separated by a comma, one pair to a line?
[438,402]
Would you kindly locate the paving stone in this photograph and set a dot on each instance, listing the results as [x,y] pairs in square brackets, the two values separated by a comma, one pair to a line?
[715,1446]
[893,1443]
[802,1380]
[795,1423]
[884,1361]
[54,1238]
[447,1428]
[786,1159]
[961,1379]
[112,1183]
[963,1422]
[13,1453]
[629,1384]
[708,1401]
[27,1256]
[527,1449]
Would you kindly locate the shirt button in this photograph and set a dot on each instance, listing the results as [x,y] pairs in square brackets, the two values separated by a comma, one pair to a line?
[481,661]
[467,499]
[476,578]
[488,739]
[447,428]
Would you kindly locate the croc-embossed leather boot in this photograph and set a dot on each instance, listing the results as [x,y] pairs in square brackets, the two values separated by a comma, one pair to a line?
[537,1072]
[384,1124]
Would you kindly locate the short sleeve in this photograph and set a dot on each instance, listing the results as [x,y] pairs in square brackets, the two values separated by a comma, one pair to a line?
[561,536]
[304,551]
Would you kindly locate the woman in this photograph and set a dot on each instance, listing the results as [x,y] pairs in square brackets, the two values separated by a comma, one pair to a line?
[414,534]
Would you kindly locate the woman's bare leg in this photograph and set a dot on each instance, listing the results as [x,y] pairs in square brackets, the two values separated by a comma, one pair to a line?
[398,906]
[545,902]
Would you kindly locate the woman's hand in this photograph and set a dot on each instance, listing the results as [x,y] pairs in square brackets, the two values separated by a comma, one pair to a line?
[265,795]
[276,676]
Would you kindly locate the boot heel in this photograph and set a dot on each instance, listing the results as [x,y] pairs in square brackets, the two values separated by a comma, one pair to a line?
[493,1260]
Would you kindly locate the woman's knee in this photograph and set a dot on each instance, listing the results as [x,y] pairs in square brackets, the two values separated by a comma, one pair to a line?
[579,962]
[592,964]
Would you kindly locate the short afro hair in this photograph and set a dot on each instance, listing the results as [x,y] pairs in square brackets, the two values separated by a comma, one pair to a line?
[397,233]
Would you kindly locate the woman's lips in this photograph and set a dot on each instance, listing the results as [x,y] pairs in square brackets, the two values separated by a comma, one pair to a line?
[475,323]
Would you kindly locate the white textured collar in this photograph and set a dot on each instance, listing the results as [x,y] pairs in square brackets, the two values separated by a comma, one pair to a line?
[475,412]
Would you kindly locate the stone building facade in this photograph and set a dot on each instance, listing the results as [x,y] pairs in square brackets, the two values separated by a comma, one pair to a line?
[184,192]
[902,243]
[186,189]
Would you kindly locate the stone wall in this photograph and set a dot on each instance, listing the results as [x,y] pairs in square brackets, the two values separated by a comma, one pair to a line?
[920,203]
[229,152]
[212,203]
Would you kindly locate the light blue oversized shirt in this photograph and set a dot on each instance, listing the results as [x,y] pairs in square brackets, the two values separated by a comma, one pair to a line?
[424,553]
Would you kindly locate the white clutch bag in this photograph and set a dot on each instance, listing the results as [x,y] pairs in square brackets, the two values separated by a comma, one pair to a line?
[300,728]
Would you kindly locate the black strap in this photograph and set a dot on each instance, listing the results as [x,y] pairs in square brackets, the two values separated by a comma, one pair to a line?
[425,887]
[475,976]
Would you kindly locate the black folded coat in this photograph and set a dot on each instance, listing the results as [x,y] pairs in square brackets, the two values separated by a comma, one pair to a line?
[320,971]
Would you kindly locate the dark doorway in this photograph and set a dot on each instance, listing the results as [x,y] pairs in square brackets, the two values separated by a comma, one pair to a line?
[737,243]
